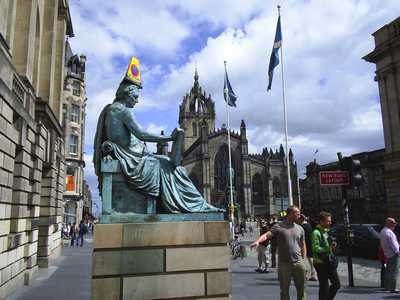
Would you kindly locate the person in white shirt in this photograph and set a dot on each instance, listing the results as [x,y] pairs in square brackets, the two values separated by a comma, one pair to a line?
[390,248]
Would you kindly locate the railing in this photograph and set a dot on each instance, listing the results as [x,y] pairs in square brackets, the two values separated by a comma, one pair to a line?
[18,88]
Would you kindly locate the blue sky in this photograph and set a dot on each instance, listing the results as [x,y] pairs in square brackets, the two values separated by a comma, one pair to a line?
[333,102]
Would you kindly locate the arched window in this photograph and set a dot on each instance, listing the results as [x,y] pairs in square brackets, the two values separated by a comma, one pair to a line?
[221,166]
[194,125]
[276,185]
[257,190]
[195,180]
[192,106]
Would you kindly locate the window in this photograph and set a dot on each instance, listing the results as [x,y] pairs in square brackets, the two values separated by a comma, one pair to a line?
[194,129]
[70,179]
[74,114]
[76,88]
[73,144]
[257,189]
[276,186]
[221,167]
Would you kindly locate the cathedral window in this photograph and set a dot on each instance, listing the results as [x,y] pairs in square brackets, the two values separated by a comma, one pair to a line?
[257,190]
[194,125]
[195,180]
[221,166]
[276,184]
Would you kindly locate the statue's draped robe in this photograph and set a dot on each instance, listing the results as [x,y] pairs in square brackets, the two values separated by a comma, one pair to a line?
[151,174]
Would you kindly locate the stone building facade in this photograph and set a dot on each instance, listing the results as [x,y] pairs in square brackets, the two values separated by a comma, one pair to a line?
[32,182]
[368,203]
[386,56]
[260,179]
[74,112]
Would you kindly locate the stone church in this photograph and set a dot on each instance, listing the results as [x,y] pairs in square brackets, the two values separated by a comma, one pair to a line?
[260,179]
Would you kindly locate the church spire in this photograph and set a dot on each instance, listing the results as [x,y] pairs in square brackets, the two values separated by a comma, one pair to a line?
[196,80]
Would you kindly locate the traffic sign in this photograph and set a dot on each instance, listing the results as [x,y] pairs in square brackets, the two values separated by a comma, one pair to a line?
[334,178]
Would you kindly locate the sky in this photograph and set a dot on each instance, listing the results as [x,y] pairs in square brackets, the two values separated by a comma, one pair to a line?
[332,98]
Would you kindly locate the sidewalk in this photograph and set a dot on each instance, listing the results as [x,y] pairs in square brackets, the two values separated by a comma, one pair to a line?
[68,277]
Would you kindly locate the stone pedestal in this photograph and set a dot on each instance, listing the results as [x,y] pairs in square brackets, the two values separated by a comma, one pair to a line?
[161,260]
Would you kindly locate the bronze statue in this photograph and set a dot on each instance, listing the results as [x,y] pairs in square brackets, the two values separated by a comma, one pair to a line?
[120,137]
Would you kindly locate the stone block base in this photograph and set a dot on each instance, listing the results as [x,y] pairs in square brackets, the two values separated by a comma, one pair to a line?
[161,260]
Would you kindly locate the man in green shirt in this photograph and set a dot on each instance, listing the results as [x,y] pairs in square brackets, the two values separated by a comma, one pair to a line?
[322,249]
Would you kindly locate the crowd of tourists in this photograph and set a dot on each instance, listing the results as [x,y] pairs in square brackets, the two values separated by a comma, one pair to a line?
[75,232]
[307,252]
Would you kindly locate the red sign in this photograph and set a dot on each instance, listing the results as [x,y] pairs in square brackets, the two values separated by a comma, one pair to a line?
[334,178]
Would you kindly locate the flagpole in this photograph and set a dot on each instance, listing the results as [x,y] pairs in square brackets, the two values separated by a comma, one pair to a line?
[231,204]
[286,125]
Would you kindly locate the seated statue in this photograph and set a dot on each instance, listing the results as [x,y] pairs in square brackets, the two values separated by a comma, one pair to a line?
[120,137]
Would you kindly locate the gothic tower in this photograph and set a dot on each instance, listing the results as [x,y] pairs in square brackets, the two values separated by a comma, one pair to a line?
[196,110]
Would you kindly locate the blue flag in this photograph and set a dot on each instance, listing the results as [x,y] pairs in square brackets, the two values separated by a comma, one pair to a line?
[274,60]
[229,95]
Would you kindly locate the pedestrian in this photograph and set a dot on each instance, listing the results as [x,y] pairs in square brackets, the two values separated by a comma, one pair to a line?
[390,248]
[262,258]
[242,228]
[273,245]
[303,222]
[69,229]
[251,229]
[291,252]
[82,232]
[72,234]
[383,259]
[325,262]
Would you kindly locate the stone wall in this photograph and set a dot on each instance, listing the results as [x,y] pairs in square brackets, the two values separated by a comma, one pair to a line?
[162,260]
[31,138]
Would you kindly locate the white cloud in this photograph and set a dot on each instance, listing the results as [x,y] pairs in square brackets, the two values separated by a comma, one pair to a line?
[332,98]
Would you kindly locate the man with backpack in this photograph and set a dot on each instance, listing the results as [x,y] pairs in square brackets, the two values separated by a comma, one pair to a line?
[325,262]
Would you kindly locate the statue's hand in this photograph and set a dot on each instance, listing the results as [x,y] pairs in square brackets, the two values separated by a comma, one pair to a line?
[107,158]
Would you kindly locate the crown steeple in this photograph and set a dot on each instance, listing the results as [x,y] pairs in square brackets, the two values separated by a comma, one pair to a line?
[196,111]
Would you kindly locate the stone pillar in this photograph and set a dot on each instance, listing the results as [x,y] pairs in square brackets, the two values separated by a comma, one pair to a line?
[386,56]
[59,68]
[51,207]
[48,52]
[12,10]
[161,260]
[24,41]
[4,6]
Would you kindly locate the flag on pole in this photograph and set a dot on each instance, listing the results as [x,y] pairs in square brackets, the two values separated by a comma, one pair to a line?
[274,60]
[229,95]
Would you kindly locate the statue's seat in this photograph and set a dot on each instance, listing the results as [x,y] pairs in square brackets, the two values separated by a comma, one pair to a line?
[118,196]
